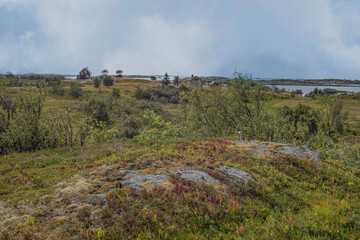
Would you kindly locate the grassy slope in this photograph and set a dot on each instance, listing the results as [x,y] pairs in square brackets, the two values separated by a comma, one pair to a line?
[292,198]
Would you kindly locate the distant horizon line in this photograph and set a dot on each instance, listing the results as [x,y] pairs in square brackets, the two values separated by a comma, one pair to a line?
[185,76]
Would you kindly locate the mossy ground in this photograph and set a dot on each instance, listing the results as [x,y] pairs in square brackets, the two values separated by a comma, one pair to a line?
[42,194]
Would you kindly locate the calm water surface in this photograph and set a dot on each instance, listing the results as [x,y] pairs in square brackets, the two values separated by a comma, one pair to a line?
[307,89]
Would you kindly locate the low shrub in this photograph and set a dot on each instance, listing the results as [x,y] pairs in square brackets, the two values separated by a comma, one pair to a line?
[75,90]
[165,94]
[98,112]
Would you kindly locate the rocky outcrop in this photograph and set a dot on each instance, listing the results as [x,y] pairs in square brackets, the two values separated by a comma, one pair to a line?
[188,174]
[235,174]
[137,180]
[149,178]
[278,149]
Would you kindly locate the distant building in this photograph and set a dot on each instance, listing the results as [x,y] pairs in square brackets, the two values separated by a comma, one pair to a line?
[84,74]
[213,84]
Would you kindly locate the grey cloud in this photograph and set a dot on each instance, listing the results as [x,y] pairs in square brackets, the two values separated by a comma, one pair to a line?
[280,38]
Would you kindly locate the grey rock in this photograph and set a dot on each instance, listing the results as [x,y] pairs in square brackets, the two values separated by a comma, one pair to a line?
[188,174]
[136,180]
[236,174]
[95,199]
[300,152]
[289,150]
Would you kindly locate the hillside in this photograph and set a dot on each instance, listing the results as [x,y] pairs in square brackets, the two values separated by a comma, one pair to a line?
[212,189]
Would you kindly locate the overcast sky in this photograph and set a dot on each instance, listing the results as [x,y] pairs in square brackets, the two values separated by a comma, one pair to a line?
[277,38]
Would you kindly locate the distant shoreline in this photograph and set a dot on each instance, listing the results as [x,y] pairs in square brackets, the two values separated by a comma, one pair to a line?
[311,82]
[264,81]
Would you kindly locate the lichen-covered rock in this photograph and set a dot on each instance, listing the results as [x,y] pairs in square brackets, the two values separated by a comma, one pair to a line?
[188,174]
[145,179]
[236,174]
[136,180]
[278,149]
[300,152]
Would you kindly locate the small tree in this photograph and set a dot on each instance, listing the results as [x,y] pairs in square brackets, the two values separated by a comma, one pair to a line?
[9,75]
[98,111]
[108,81]
[332,116]
[104,72]
[97,83]
[176,80]
[153,78]
[28,122]
[218,111]
[7,102]
[166,80]
[299,92]
[119,73]
[293,94]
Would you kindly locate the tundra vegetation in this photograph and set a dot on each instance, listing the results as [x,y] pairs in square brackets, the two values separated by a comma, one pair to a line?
[59,137]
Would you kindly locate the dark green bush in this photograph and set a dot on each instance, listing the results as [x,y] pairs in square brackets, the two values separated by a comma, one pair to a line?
[322,92]
[131,127]
[304,114]
[97,111]
[170,95]
[166,80]
[59,90]
[108,81]
[97,82]
[142,94]
[52,81]
[75,90]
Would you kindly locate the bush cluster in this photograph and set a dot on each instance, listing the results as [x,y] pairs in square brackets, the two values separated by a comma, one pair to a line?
[30,126]
[322,92]
[166,94]
[240,107]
